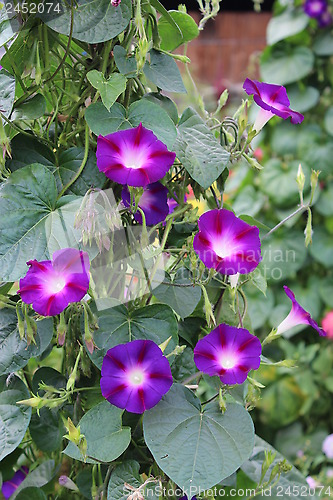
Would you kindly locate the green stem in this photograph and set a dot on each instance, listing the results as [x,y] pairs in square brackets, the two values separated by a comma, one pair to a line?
[298,211]
[83,163]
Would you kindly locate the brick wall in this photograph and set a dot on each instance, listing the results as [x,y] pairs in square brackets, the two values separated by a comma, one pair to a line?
[225,49]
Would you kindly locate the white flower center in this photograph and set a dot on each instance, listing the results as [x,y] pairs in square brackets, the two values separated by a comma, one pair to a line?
[57,285]
[136,377]
[228,361]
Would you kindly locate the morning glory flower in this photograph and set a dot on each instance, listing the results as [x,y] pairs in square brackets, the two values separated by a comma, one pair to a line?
[325,19]
[315,8]
[327,446]
[229,353]
[10,486]
[115,3]
[297,316]
[135,376]
[51,285]
[153,203]
[273,100]
[226,243]
[134,157]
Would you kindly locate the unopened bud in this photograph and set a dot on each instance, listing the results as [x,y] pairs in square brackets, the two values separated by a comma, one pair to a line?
[300,179]
[66,482]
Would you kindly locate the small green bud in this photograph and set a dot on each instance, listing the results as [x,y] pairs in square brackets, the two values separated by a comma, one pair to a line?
[300,178]
[165,344]
[308,229]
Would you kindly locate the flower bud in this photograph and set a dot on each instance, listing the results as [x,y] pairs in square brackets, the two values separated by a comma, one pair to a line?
[300,179]
[66,482]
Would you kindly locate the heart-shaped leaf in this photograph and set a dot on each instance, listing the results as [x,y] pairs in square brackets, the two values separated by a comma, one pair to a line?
[109,89]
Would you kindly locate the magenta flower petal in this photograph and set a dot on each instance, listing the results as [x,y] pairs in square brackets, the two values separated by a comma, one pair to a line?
[315,8]
[273,100]
[8,487]
[229,353]
[135,376]
[297,316]
[51,285]
[325,19]
[226,243]
[134,157]
[153,202]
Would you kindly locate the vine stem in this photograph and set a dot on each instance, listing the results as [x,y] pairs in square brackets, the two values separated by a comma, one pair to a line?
[84,161]
[301,209]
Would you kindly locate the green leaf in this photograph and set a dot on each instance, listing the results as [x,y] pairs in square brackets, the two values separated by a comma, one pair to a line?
[95,21]
[14,352]
[326,291]
[286,67]
[162,10]
[31,493]
[303,99]
[162,70]
[278,181]
[253,468]
[126,63]
[258,279]
[32,222]
[127,472]
[109,89]
[106,438]
[26,151]
[14,419]
[287,24]
[119,325]
[197,447]
[151,115]
[31,109]
[49,376]
[170,34]
[7,92]
[182,299]
[37,478]
[8,27]
[164,102]
[47,430]
[323,44]
[328,121]
[69,163]
[283,254]
[194,142]
[322,247]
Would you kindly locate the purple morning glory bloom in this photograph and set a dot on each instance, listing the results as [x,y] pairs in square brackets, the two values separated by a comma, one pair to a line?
[327,446]
[297,316]
[315,8]
[226,243]
[115,3]
[273,100]
[229,353]
[51,285]
[325,19]
[153,203]
[135,376]
[134,157]
[8,487]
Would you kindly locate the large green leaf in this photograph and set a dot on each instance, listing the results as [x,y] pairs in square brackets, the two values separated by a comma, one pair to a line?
[197,446]
[8,26]
[37,478]
[303,99]
[31,109]
[14,352]
[328,120]
[31,493]
[194,142]
[171,36]
[106,438]
[119,325]
[253,469]
[32,223]
[163,71]
[287,24]
[47,430]
[95,21]
[109,89]
[286,67]
[14,419]
[28,150]
[127,472]
[323,44]
[125,63]
[7,92]
[179,293]
[278,181]
[151,115]
[322,247]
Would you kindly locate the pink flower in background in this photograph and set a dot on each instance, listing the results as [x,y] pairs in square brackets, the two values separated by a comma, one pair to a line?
[10,486]
[325,19]
[297,316]
[327,446]
[134,157]
[229,353]
[311,482]
[273,100]
[315,8]
[51,285]
[115,3]
[327,324]
[135,376]
[153,203]
[226,243]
